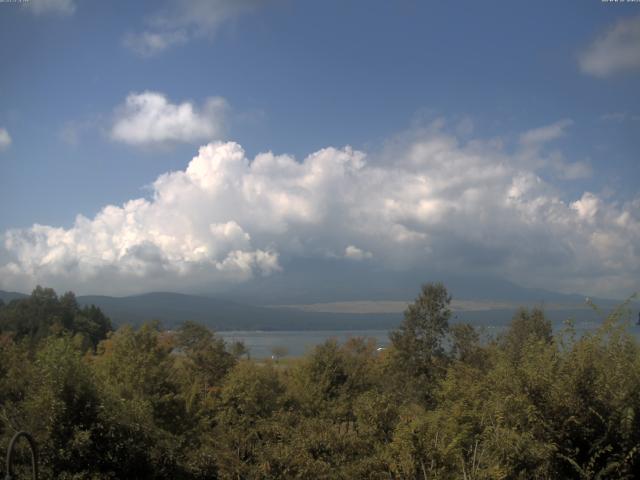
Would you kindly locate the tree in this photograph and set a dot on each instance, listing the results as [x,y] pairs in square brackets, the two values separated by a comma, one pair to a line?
[143,404]
[238,349]
[525,327]
[44,313]
[466,346]
[417,344]
[59,404]
[249,397]
[278,352]
[206,360]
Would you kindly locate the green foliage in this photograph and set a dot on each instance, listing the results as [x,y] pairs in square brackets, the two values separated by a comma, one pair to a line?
[526,327]
[418,352]
[440,403]
[204,363]
[466,346]
[44,313]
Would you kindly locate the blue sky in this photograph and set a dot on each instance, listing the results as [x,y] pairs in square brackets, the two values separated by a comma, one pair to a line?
[294,77]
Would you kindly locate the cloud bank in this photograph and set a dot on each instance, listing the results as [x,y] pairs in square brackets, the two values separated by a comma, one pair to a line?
[148,118]
[616,51]
[428,200]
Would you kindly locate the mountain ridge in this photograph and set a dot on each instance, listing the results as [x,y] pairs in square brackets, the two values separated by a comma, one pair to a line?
[235,313]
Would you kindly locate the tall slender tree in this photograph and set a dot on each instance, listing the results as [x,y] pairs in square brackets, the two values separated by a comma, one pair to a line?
[418,342]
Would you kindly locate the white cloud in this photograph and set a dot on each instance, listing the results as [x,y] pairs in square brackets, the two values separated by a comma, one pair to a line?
[431,201]
[182,20]
[587,207]
[541,135]
[572,170]
[355,253]
[616,51]
[148,44]
[149,118]
[5,139]
[60,7]
[534,141]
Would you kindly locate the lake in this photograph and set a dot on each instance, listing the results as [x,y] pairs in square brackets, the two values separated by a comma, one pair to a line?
[297,342]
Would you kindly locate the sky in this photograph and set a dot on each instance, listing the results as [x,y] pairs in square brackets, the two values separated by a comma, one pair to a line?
[187,145]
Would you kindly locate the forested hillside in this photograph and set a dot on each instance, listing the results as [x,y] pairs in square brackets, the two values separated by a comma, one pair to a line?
[439,403]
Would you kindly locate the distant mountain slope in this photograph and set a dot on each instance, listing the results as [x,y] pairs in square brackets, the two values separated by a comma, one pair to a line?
[174,308]
[6,297]
[338,281]
[328,284]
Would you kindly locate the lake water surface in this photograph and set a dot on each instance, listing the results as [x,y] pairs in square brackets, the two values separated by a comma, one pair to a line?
[298,343]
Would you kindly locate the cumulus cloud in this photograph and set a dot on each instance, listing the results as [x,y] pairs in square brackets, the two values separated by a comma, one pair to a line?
[570,170]
[60,7]
[533,143]
[575,171]
[615,51]
[149,118]
[5,139]
[432,201]
[182,20]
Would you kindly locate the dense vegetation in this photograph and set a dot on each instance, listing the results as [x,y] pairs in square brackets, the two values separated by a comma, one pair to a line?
[439,403]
